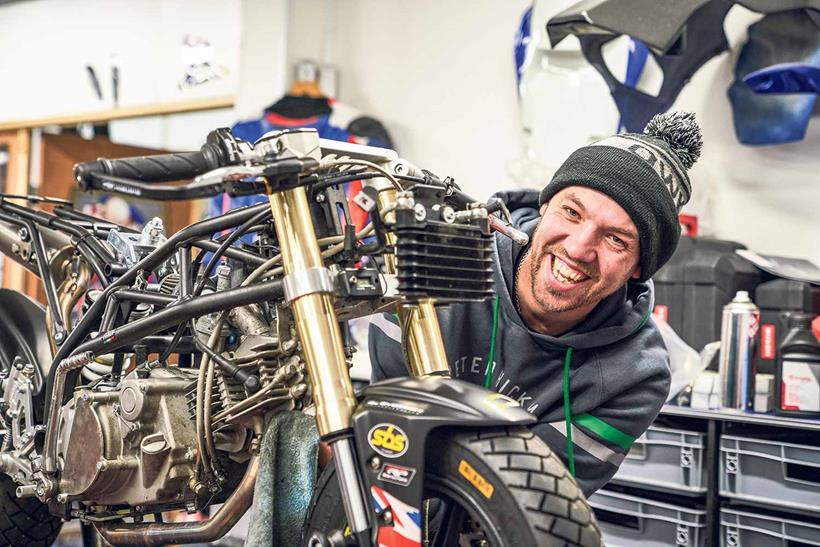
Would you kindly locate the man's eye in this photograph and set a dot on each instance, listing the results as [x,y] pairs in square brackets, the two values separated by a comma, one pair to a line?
[620,243]
[572,212]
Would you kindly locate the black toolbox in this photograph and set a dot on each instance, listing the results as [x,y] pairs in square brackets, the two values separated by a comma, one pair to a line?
[702,276]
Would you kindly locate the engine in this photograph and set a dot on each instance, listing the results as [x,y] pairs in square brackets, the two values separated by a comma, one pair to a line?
[133,441]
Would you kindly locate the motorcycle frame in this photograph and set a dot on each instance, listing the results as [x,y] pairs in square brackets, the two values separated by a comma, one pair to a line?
[342,421]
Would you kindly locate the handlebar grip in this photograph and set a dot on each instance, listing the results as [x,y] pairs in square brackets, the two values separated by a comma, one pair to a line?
[159,168]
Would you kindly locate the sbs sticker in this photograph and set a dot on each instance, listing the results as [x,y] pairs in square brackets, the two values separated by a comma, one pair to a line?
[388,440]
[474,477]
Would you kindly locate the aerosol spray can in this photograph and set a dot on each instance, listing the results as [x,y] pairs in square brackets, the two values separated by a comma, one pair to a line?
[737,333]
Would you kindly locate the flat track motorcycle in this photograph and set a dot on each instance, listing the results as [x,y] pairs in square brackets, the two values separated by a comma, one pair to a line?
[148,381]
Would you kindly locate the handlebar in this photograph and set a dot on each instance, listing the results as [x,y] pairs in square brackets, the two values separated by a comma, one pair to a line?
[220,149]
[158,168]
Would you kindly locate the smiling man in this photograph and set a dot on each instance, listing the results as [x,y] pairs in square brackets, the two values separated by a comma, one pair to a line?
[569,335]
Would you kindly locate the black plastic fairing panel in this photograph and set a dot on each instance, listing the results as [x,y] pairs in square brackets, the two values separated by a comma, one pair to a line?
[23,333]
[656,23]
[392,425]
[446,401]
[773,6]
[703,38]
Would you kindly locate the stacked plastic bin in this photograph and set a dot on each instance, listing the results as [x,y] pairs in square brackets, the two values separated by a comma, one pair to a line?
[663,460]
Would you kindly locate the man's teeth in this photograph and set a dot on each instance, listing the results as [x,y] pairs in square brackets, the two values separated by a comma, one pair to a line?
[564,273]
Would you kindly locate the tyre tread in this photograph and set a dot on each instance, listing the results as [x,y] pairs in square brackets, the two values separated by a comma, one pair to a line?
[526,463]
[25,521]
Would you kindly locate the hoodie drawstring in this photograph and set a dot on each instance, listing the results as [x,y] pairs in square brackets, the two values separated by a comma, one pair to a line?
[489,375]
[568,413]
[488,378]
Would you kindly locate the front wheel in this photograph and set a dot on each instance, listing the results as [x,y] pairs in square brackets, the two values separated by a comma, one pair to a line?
[24,521]
[500,487]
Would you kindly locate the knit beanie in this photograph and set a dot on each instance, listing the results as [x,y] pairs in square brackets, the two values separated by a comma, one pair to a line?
[646,174]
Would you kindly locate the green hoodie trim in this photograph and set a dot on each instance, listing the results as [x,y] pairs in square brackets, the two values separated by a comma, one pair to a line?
[491,359]
[568,413]
[604,430]
[488,376]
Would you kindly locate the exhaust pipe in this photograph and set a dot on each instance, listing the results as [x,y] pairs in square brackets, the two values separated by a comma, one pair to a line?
[15,248]
[160,533]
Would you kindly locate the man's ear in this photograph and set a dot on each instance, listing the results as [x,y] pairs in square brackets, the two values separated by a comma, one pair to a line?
[636,273]
[543,208]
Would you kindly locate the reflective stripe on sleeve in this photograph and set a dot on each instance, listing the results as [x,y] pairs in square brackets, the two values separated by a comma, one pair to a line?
[390,329]
[590,445]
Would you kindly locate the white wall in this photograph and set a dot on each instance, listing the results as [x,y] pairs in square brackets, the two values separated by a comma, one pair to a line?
[440,77]
[261,31]
[47,44]
[766,197]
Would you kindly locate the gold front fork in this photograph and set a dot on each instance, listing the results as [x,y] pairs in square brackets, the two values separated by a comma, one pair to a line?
[314,314]
[419,322]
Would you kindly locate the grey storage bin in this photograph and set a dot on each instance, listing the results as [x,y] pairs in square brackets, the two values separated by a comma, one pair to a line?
[770,472]
[668,458]
[630,521]
[745,529]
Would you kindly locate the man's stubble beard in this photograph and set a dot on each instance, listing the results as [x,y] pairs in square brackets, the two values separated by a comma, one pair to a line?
[559,303]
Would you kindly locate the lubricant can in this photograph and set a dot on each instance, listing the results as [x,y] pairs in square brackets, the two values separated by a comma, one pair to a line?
[798,371]
[737,334]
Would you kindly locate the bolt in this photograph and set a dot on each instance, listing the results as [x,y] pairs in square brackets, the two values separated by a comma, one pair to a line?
[62,498]
[448,215]
[483,543]
[22,233]
[388,517]
[15,248]
[143,388]
[353,279]
[375,462]
[420,212]
[86,396]
[102,465]
[59,336]
[320,198]
[41,491]
[189,455]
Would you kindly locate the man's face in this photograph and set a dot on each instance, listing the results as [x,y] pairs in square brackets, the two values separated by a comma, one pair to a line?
[584,249]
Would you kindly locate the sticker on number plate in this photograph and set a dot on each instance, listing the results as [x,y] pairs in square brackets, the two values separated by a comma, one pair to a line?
[397,474]
[405,530]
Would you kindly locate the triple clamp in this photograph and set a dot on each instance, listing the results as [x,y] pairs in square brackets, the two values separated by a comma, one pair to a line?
[308,281]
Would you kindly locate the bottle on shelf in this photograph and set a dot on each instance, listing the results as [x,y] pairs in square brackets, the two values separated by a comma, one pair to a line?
[798,370]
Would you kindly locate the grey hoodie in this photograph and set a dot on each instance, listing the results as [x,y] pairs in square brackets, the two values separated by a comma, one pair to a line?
[618,364]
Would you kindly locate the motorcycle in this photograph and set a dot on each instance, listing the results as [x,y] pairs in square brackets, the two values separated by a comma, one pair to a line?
[149,381]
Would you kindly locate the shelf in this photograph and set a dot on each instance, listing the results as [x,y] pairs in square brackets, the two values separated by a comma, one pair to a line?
[191,105]
[745,417]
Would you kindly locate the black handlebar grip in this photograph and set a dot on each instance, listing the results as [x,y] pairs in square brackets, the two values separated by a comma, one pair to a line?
[159,168]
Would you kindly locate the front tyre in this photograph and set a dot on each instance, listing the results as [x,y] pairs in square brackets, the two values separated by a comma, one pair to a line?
[500,487]
[24,521]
